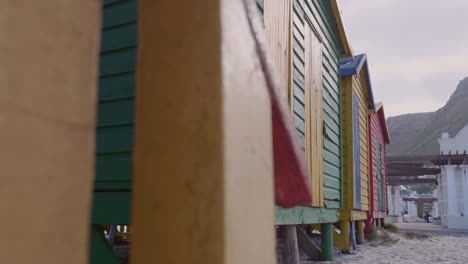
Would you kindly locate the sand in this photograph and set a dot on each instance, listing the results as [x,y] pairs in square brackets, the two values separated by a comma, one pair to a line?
[437,249]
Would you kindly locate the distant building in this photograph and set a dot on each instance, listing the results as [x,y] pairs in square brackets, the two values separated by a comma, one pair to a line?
[452,189]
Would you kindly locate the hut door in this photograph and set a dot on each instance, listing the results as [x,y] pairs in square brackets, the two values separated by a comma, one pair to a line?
[356,153]
[278,30]
[314,113]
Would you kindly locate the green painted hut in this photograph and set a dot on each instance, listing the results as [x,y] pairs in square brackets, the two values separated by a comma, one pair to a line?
[306,39]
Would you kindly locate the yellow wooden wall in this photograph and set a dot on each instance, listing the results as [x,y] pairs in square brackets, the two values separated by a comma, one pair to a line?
[359,89]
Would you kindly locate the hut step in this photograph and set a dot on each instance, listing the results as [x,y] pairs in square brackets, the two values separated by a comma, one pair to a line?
[307,244]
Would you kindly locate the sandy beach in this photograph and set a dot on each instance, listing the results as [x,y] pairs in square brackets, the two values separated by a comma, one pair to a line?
[437,249]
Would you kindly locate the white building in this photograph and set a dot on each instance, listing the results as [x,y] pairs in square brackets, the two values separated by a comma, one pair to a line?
[452,189]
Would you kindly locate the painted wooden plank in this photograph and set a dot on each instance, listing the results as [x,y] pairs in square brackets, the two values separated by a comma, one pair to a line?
[298,93]
[326,15]
[331,158]
[119,37]
[357,169]
[121,61]
[331,146]
[48,90]
[298,107]
[277,21]
[120,13]
[298,62]
[299,123]
[331,182]
[298,77]
[305,215]
[115,139]
[313,15]
[220,36]
[114,167]
[332,193]
[116,113]
[117,87]
[332,204]
[331,170]
[112,207]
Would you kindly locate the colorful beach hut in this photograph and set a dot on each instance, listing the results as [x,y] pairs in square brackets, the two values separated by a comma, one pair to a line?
[357,99]
[379,137]
[115,122]
[306,39]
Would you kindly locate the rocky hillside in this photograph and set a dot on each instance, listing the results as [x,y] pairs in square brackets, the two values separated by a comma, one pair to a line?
[417,133]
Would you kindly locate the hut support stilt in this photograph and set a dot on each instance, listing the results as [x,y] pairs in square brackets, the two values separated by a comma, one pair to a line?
[360,232]
[290,250]
[327,242]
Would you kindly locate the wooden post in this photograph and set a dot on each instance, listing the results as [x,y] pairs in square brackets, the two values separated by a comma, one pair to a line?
[203,169]
[327,242]
[360,232]
[49,59]
[353,234]
[290,250]
[345,228]
[368,227]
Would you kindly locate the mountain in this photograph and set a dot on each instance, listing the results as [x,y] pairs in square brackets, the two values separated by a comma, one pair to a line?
[416,134]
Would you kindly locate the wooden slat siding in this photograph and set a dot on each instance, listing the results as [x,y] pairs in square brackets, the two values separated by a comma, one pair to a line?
[115,124]
[277,21]
[298,73]
[314,113]
[376,137]
[360,91]
[322,21]
[348,177]
[356,149]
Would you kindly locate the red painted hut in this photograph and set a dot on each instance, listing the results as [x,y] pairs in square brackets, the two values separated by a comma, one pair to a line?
[378,139]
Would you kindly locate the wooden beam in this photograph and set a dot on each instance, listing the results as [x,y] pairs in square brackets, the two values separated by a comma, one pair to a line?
[308,245]
[48,93]
[305,215]
[290,249]
[412,172]
[395,182]
[203,171]
[435,159]
[420,200]
[327,242]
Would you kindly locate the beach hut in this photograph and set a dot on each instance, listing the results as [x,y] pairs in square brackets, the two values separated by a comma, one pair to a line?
[306,39]
[115,122]
[357,100]
[379,137]
[196,164]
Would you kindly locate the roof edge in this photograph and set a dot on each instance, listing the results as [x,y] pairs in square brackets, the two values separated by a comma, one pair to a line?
[379,109]
[339,22]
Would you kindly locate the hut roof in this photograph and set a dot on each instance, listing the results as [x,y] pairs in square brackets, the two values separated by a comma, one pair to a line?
[349,67]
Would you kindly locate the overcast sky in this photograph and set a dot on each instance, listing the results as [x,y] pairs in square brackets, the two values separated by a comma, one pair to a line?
[417,49]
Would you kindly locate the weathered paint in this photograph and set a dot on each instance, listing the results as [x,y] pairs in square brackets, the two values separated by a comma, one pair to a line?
[317,43]
[115,123]
[305,215]
[48,90]
[116,109]
[357,154]
[378,138]
[211,200]
[317,17]
[115,120]
[357,100]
